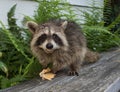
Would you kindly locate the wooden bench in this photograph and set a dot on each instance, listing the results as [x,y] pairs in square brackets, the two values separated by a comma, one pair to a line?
[95,77]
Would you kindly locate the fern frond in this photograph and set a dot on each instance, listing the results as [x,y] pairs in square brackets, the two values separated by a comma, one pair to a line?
[4,68]
[16,43]
[101,29]
[51,9]
[107,13]
[32,69]
[115,23]
[11,19]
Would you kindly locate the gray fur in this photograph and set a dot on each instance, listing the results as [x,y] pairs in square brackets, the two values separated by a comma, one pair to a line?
[71,55]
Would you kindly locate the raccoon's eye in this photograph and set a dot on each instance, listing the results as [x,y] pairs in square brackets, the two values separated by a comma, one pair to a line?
[41,39]
[57,39]
[55,36]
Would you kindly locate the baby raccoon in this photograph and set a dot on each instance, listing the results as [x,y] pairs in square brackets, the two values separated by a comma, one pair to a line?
[61,43]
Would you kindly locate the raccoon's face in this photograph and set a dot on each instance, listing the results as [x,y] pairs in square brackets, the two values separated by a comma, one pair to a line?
[48,36]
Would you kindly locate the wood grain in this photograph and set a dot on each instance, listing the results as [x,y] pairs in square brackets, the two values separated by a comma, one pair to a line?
[95,77]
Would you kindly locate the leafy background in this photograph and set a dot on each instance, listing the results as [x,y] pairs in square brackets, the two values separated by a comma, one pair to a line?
[16,60]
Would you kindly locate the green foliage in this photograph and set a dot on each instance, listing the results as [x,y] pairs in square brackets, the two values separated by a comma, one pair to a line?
[99,38]
[92,16]
[108,15]
[32,69]
[5,82]
[16,61]
[111,15]
[11,20]
[52,9]
[16,58]
[4,68]
[115,24]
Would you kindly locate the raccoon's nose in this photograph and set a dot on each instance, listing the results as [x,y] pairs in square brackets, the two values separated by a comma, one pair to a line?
[49,46]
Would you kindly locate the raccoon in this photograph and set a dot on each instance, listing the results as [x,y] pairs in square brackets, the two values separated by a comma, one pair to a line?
[61,43]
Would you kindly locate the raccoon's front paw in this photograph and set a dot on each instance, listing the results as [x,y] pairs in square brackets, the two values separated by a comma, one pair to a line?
[72,73]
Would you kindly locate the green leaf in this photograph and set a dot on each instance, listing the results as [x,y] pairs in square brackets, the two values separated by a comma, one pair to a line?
[0,54]
[12,11]
[4,68]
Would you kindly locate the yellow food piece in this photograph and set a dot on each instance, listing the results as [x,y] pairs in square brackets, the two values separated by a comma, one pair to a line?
[48,76]
[45,74]
[46,70]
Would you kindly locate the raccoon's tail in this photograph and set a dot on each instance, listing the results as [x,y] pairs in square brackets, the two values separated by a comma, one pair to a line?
[91,57]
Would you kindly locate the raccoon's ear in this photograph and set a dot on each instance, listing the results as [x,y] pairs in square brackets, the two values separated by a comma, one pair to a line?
[32,26]
[64,24]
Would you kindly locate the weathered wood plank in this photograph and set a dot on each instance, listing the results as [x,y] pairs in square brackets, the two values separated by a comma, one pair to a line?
[114,87]
[92,78]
